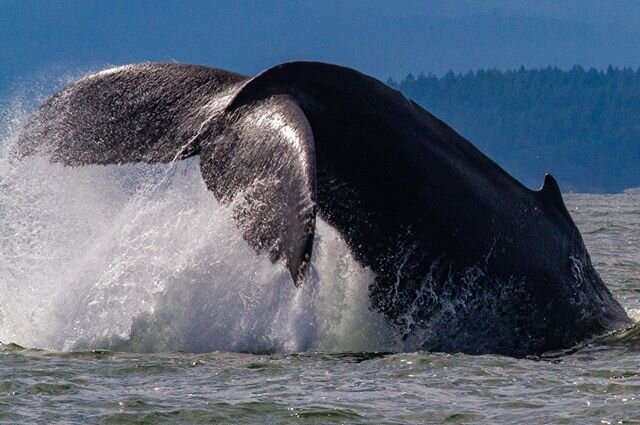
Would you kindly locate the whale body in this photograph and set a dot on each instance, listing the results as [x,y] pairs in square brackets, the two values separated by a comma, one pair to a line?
[447,233]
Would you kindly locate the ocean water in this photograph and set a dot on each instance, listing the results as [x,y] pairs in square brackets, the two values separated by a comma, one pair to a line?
[127,295]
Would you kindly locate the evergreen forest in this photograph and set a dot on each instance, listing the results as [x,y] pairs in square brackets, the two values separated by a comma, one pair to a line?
[582,126]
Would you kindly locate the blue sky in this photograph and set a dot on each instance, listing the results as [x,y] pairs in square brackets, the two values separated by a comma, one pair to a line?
[385,39]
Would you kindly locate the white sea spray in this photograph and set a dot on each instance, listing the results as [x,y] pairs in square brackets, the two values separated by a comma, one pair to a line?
[142,257]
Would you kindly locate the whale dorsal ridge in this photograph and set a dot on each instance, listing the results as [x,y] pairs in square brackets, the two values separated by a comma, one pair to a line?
[551,195]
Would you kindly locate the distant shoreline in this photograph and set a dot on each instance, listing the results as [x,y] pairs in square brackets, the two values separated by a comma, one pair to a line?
[581,124]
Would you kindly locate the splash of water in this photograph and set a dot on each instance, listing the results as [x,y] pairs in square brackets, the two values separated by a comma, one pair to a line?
[142,257]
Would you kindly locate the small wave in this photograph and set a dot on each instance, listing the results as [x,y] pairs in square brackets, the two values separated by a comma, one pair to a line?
[629,338]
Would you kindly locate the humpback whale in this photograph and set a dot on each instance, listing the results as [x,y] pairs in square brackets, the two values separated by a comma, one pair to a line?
[460,249]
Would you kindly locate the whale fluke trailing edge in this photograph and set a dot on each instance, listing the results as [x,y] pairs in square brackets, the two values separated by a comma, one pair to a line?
[465,257]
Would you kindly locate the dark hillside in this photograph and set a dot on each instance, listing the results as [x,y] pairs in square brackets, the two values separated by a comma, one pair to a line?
[583,126]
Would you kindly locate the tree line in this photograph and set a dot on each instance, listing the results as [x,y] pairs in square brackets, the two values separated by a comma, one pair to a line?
[582,126]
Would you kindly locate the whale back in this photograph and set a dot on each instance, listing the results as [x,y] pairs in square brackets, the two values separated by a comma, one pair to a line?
[390,174]
[429,213]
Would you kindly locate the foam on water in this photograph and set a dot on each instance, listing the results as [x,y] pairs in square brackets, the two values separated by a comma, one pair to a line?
[141,257]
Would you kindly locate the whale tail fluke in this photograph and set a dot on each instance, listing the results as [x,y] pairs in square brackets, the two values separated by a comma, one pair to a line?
[262,150]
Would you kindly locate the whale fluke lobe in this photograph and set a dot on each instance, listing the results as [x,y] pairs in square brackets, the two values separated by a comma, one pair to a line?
[465,257]
[135,113]
[275,202]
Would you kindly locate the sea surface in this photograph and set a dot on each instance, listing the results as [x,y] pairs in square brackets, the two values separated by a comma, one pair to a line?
[127,295]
